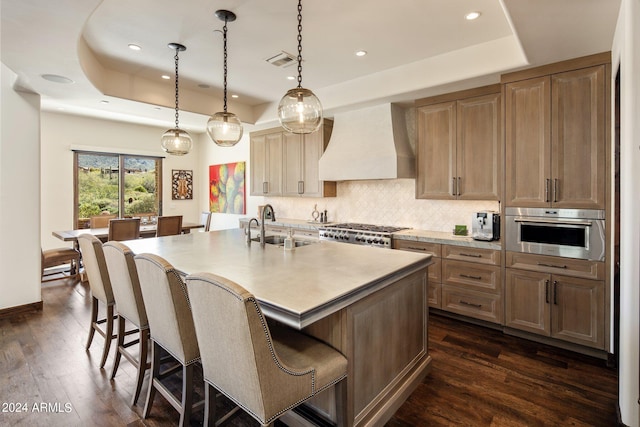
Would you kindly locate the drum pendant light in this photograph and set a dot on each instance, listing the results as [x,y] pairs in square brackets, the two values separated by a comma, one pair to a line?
[300,110]
[225,129]
[176,141]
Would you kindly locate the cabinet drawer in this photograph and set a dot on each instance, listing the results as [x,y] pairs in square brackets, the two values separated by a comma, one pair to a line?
[469,275]
[434,295]
[465,253]
[434,249]
[556,265]
[479,305]
[435,270]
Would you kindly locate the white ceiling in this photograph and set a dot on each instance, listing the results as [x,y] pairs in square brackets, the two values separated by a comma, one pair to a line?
[415,48]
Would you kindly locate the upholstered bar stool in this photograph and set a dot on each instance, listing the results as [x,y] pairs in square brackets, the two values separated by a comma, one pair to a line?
[95,268]
[171,327]
[264,371]
[205,219]
[169,225]
[130,305]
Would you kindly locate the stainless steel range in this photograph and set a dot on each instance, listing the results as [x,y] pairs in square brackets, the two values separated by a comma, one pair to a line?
[360,234]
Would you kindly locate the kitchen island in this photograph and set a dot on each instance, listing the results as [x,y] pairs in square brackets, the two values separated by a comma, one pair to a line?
[369,303]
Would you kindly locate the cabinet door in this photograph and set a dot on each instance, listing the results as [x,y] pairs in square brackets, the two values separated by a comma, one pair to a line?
[578,311]
[436,152]
[478,148]
[273,173]
[528,297]
[528,144]
[292,161]
[258,165]
[312,151]
[578,138]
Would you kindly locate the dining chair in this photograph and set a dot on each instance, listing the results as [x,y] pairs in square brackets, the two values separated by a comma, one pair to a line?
[205,219]
[124,229]
[101,221]
[169,225]
[59,256]
[265,369]
[130,306]
[171,328]
[95,268]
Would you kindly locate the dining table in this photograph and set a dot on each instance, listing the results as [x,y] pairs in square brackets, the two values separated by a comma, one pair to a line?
[146,230]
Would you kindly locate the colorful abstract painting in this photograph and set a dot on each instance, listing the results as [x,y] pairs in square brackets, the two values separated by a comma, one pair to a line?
[227,188]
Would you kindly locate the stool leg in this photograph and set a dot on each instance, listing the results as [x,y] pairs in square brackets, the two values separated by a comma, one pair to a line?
[155,372]
[119,346]
[93,324]
[187,395]
[142,364]
[108,335]
[209,405]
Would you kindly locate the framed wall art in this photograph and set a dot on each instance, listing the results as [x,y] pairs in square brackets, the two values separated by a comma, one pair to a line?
[227,188]
[181,184]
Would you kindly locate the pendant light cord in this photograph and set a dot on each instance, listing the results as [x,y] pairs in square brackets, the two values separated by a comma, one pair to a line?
[299,43]
[176,60]
[224,38]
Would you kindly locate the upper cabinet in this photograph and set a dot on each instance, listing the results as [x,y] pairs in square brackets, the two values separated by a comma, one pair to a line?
[286,164]
[555,140]
[458,149]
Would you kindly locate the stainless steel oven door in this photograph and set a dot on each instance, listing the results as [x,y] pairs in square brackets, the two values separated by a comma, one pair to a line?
[571,233]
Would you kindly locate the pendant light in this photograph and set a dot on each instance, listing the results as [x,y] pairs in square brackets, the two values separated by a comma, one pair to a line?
[225,129]
[176,141]
[300,110]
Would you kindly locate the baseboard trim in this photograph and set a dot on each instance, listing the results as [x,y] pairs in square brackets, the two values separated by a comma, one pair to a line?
[21,309]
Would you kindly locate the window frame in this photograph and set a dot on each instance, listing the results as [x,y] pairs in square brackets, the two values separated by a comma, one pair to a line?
[121,173]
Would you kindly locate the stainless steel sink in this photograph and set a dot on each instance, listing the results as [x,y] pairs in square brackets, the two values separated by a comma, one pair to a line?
[279,241]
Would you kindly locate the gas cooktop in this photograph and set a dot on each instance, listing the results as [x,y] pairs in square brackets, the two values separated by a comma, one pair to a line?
[365,227]
[359,234]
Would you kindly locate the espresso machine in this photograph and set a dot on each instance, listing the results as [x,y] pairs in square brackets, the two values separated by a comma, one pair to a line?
[485,225]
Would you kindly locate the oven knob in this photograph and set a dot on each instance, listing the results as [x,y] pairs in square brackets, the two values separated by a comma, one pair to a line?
[376,240]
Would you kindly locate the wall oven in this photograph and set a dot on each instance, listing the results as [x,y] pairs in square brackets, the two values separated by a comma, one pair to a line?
[571,233]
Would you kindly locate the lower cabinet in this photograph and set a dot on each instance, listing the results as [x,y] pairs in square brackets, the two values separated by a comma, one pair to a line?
[545,297]
[434,291]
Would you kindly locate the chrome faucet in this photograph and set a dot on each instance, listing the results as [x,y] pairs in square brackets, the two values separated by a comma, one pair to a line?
[266,208]
[249,229]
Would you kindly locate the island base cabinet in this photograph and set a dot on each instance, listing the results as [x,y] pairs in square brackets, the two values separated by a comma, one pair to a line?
[384,337]
[561,307]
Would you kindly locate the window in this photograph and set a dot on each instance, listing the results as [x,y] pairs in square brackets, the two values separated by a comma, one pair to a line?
[118,184]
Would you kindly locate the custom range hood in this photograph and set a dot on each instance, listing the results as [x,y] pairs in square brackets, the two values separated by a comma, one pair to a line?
[370,143]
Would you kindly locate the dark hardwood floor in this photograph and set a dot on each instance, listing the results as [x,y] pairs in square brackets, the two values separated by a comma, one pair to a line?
[479,377]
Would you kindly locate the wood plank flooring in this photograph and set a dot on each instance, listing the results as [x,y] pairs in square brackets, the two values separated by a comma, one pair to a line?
[480,377]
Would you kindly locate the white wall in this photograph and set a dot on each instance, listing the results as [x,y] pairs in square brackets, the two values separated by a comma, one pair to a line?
[60,132]
[626,52]
[19,195]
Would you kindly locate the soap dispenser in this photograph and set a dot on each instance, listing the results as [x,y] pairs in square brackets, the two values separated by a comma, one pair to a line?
[288,241]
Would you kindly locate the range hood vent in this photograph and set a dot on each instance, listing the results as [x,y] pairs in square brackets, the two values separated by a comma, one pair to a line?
[370,143]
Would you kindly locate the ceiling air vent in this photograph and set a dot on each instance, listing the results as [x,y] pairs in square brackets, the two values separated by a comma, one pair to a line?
[282,59]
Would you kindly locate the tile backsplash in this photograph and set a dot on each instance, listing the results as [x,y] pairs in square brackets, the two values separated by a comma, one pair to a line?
[383,202]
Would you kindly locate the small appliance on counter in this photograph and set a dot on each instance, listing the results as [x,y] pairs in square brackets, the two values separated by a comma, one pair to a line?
[485,225]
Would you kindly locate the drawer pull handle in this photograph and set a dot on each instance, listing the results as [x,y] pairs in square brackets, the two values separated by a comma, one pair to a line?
[471,304]
[546,291]
[468,276]
[416,249]
[471,255]
[542,264]
[555,292]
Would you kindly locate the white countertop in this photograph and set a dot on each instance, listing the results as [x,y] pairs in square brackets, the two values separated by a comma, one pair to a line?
[297,287]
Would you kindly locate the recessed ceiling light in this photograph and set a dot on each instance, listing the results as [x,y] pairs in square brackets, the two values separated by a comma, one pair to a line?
[104,101]
[472,15]
[134,47]
[204,86]
[157,108]
[166,77]
[56,78]
[361,53]
[291,78]
[234,96]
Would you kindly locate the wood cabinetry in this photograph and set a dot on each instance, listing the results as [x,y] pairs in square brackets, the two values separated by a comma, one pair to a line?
[556,297]
[462,280]
[458,150]
[555,140]
[472,282]
[434,295]
[286,164]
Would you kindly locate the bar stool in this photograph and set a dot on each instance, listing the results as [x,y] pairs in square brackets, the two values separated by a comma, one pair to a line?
[266,371]
[95,268]
[130,306]
[171,326]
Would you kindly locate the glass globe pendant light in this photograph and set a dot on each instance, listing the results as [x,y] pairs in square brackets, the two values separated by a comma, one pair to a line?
[300,110]
[224,128]
[176,141]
